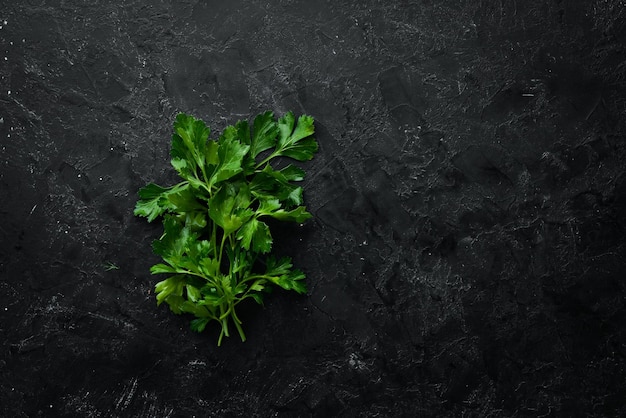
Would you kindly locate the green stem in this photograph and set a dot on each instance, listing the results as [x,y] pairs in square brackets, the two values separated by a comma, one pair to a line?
[272,155]
[221,252]
[191,273]
[228,311]
[210,314]
[231,264]
[225,327]
[214,239]
[237,322]
[257,276]
[245,294]
[204,176]
[205,183]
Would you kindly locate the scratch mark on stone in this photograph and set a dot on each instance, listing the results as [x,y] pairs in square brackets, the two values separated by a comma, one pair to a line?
[111,319]
[127,396]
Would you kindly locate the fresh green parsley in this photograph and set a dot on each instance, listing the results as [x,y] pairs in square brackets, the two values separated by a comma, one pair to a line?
[216,243]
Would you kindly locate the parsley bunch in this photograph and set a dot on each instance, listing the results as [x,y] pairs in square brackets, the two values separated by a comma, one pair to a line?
[216,243]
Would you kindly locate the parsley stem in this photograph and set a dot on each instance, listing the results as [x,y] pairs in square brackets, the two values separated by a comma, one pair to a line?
[206,178]
[191,273]
[237,322]
[272,155]
[210,314]
[228,311]
[257,276]
[214,239]
[225,332]
[219,257]
[247,292]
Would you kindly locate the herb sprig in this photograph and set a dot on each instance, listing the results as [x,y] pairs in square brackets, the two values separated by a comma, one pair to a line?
[216,243]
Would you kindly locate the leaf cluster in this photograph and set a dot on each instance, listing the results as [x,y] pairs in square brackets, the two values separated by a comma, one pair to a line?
[216,245]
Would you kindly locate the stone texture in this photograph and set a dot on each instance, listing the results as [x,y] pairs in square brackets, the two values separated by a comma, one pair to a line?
[467,252]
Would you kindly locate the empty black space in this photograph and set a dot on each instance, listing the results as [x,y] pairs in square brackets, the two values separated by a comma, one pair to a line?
[466,255]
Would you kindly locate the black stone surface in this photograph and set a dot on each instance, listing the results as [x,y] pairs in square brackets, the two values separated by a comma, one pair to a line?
[467,252]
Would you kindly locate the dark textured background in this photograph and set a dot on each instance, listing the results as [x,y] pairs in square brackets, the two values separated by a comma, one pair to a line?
[467,252]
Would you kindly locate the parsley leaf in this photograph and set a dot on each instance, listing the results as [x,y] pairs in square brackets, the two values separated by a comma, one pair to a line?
[255,235]
[154,201]
[297,142]
[189,146]
[230,153]
[270,183]
[265,131]
[215,240]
